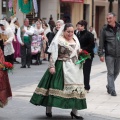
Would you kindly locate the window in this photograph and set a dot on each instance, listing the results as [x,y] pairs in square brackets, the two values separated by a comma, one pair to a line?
[4,4]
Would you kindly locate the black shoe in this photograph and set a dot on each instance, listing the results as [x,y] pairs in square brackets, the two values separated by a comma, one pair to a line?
[23,67]
[49,114]
[113,93]
[75,116]
[40,62]
[17,62]
[108,89]
[36,63]
[29,67]
[45,59]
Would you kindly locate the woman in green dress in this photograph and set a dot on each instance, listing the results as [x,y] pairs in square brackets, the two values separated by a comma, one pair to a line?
[62,84]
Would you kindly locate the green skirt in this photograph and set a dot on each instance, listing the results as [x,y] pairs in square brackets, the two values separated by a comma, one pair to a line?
[49,91]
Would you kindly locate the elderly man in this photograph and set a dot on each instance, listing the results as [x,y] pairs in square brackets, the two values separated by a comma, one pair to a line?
[24,35]
[6,38]
[110,44]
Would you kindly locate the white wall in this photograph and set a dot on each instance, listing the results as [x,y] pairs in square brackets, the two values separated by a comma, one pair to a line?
[47,8]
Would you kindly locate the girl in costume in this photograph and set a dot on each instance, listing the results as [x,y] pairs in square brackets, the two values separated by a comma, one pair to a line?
[62,84]
[5,89]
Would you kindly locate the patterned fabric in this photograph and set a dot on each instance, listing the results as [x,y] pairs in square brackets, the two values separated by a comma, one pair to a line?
[5,89]
[36,44]
[50,92]
[65,88]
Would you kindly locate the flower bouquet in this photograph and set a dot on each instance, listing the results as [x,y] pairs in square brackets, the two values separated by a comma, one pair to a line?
[6,66]
[82,57]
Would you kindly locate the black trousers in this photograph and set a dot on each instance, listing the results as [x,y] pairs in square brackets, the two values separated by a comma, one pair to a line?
[26,54]
[86,72]
[9,58]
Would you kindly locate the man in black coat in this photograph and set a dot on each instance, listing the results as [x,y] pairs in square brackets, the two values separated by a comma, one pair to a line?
[86,40]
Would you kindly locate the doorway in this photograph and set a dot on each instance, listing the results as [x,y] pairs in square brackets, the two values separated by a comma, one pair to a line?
[86,9]
[65,12]
[99,18]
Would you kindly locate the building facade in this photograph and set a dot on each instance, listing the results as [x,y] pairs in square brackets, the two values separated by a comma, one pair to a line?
[100,10]
[93,11]
[69,11]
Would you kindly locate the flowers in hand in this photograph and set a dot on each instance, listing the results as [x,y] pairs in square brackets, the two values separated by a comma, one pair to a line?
[83,55]
[6,66]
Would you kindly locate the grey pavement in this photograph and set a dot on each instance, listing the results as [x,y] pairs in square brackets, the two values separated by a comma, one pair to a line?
[101,106]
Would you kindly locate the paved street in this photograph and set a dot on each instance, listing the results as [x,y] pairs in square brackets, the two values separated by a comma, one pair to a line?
[101,106]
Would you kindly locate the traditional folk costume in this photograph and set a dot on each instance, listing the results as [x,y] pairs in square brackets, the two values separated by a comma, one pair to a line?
[37,44]
[26,38]
[5,89]
[16,44]
[65,88]
[7,36]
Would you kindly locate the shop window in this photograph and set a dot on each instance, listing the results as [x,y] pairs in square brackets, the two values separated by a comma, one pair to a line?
[65,12]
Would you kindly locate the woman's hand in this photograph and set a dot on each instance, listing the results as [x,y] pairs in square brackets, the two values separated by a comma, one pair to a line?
[5,43]
[80,50]
[52,70]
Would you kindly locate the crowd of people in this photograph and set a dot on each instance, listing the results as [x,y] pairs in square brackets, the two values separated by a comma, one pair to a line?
[64,83]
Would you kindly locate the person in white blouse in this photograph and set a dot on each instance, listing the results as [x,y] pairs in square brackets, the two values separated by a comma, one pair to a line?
[24,36]
[6,38]
[14,26]
[37,42]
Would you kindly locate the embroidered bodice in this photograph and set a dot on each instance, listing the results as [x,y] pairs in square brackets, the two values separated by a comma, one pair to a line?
[66,52]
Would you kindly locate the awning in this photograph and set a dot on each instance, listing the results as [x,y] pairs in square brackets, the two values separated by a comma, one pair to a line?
[76,1]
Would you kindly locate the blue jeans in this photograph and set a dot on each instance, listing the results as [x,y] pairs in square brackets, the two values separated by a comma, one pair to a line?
[113,69]
[95,48]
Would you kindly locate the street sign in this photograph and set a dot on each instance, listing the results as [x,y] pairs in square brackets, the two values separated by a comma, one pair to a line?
[77,1]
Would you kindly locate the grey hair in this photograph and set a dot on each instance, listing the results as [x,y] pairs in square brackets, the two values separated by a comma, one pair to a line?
[60,21]
[26,19]
[111,13]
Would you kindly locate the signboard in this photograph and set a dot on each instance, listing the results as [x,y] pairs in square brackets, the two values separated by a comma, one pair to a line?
[76,1]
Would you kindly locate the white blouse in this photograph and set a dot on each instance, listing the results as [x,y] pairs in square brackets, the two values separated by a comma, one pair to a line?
[8,48]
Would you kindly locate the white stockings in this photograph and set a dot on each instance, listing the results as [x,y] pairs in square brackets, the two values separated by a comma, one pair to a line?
[75,111]
[48,109]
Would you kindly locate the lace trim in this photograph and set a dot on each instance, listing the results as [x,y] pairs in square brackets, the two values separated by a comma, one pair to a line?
[68,88]
[60,93]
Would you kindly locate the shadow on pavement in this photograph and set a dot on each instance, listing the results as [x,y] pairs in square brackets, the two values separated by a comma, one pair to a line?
[56,117]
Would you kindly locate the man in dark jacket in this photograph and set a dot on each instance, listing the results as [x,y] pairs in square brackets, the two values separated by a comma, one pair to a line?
[110,44]
[86,40]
